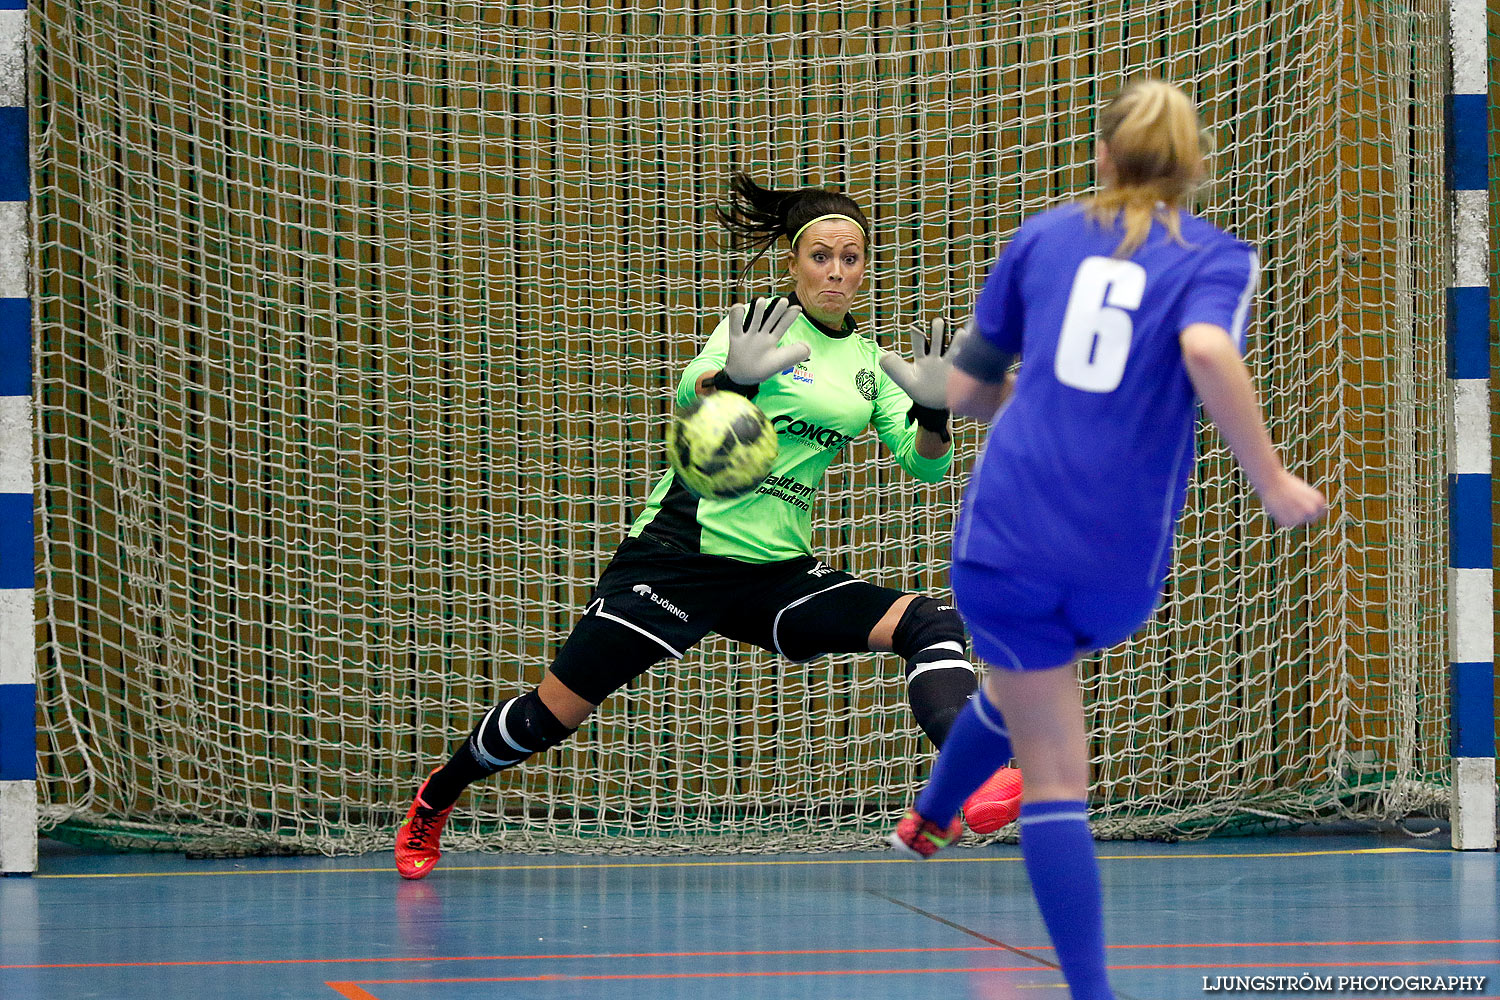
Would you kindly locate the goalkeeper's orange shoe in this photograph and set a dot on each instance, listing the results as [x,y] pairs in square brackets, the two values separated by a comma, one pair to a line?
[417,838]
[996,803]
[920,838]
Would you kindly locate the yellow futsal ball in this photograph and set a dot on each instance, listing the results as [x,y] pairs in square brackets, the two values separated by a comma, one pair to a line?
[722,446]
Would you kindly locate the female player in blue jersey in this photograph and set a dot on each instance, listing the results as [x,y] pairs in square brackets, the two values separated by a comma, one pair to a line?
[1125,308]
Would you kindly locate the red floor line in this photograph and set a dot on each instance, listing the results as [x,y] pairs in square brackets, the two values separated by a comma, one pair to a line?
[207,963]
[509,958]
[1388,963]
[744,974]
[767,973]
[351,991]
[1297,944]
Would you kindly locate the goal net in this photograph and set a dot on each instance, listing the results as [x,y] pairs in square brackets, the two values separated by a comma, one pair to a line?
[358,324]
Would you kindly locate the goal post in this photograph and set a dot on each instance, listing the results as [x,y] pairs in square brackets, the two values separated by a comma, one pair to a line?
[357,325]
[18,654]
[1471,500]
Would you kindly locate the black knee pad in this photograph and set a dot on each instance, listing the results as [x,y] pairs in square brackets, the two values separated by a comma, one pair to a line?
[514,730]
[931,639]
[927,624]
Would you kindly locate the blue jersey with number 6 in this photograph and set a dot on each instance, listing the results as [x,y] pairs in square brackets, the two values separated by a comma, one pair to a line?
[1085,470]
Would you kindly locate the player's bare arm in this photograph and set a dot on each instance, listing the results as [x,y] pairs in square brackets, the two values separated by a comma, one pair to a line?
[1223,384]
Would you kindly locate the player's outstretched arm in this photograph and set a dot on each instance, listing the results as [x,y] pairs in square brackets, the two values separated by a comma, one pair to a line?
[1223,384]
[981,378]
[924,379]
[970,397]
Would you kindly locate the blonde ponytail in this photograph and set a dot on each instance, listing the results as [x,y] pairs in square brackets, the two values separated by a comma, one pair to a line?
[1157,149]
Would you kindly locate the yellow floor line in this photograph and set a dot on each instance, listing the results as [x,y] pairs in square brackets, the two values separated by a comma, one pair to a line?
[736,864]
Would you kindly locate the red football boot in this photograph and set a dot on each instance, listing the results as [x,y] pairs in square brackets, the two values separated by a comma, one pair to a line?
[996,803]
[417,837]
[920,839]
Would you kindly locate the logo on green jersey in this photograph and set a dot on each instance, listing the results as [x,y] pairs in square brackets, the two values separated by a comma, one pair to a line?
[864,381]
[823,437]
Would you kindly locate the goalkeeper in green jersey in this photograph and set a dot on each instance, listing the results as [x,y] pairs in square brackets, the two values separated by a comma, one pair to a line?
[744,568]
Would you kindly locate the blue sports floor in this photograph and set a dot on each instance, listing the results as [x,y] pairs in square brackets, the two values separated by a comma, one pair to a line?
[869,926]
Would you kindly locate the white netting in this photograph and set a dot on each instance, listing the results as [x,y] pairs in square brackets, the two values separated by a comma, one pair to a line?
[358,324]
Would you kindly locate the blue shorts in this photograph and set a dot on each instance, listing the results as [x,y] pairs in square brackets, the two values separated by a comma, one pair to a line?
[1022,621]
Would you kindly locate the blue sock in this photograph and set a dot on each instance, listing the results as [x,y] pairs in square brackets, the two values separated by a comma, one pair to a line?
[977,746]
[1059,852]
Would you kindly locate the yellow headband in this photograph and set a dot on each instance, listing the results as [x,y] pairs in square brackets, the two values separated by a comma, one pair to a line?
[822,218]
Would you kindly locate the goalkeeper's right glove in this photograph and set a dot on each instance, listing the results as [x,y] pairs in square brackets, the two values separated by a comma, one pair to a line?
[755,334]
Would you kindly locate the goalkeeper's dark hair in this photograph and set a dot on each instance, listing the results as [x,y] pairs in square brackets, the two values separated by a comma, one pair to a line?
[756,217]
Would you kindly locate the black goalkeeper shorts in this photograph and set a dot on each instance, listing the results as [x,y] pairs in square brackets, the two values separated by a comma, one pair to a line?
[800,608]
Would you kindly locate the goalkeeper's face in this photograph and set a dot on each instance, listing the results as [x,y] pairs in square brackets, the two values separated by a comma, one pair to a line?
[828,265]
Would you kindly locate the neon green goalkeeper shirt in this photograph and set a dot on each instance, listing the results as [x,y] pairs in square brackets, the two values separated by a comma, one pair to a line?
[817,408]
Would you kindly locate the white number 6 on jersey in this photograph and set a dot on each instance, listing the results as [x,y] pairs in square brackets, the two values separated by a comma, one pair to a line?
[1096,329]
